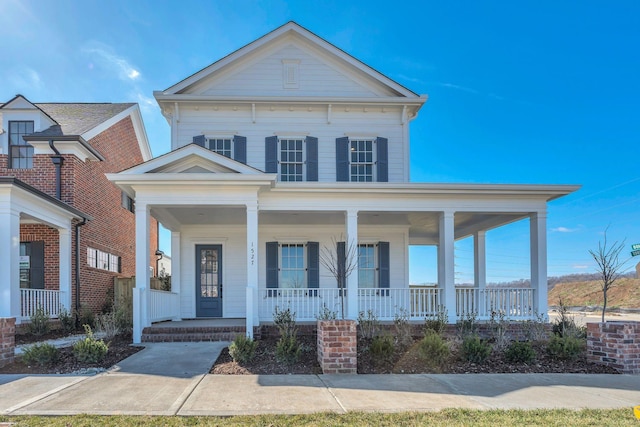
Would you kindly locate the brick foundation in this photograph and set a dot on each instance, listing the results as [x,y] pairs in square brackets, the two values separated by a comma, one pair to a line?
[337,346]
[615,344]
[7,340]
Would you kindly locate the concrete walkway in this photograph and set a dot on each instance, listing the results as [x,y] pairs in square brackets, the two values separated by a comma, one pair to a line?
[172,379]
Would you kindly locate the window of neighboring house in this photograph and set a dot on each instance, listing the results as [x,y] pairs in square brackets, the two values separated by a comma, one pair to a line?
[223,146]
[20,153]
[362,160]
[366,266]
[103,260]
[291,160]
[128,203]
[292,268]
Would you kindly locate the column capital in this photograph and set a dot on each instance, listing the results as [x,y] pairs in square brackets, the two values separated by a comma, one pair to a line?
[447,213]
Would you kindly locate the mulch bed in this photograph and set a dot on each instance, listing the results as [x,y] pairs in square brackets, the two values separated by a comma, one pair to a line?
[119,348]
[405,361]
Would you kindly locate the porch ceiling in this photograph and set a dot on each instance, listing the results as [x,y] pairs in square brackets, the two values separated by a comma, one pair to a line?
[423,226]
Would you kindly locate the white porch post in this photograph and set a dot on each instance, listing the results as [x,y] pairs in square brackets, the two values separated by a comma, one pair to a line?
[351,246]
[538,242]
[252,268]
[140,292]
[480,269]
[176,263]
[446,267]
[9,268]
[64,260]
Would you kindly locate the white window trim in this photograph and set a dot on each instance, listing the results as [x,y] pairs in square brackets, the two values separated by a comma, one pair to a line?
[376,285]
[229,137]
[304,155]
[374,158]
[304,263]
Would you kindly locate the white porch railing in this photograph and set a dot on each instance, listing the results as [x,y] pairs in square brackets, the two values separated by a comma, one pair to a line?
[515,303]
[305,303]
[31,299]
[163,305]
[417,303]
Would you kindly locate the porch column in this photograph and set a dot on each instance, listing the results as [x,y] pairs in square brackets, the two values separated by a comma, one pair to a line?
[538,242]
[252,268]
[10,256]
[446,268]
[480,269]
[351,247]
[64,260]
[140,292]
[176,262]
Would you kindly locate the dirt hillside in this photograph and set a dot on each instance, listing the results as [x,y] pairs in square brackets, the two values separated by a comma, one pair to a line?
[624,294]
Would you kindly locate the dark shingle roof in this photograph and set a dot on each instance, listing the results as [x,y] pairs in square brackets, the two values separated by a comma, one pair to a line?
[76,119]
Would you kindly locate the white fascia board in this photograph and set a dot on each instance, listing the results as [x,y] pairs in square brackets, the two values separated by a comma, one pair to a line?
[64,147]
[181,153]
[37,208]
[192,179]
[138,126]
[385,100]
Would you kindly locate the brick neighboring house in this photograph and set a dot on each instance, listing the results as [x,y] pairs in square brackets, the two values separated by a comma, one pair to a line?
[54,193]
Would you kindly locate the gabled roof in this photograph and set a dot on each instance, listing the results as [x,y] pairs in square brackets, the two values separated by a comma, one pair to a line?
[78,118]
[290,28]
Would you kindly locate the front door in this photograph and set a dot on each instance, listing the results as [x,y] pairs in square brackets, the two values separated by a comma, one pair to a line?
[208,280]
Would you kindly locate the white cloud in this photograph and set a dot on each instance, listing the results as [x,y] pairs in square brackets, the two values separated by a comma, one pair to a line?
[104,54]
[564,230]
[580,267]
[458,87]
[146,103]
[25,79]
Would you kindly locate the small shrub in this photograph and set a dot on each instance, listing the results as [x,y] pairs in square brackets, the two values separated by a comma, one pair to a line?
[433,350]
[520,352]
[403,328]
[124,314]
[566,347]
[382,348]
[475,350]
[242,349]
[565,325]
[536,329]
[89,349]
[467,325]
[285,321]
[368,324]
[87,317]
[43,354]
[288,349]
[67,322]
[326,314]
[108,325]
[499,328]
[39,322]
[437,322]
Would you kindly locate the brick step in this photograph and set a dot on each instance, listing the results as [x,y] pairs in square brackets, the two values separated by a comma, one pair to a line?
[194,334]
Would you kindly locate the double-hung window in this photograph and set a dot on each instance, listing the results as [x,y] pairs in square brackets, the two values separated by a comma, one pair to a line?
[292,268]
[20,153]
[366,265]
[362,160]
[291,160]
[221,146]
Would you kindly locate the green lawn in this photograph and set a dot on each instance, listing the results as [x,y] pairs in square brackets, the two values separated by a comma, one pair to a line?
[450,417]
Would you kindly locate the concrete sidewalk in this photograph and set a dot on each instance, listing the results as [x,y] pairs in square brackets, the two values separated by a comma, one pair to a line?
[172,379]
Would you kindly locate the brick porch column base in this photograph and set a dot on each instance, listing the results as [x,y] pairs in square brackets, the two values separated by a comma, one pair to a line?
[7,340]
[615,344]
[337,346]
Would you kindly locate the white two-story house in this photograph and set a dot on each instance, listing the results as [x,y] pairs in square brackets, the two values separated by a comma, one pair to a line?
[287,148]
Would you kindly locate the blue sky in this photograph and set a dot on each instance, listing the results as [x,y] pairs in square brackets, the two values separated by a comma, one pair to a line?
[519,92]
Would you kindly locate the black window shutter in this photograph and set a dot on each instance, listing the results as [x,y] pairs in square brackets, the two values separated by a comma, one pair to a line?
[272,264]
[341,253]
[36,267]
[271,154]
[119,264]
[342,159]
[312,158]
[384,278]
[382,155]
[199,140]
[240,149]
[313,265]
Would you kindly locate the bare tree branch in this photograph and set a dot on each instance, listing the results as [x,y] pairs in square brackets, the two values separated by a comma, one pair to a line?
[340,267]
[609,265]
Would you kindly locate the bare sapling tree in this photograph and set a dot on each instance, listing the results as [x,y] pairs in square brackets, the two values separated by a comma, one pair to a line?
[340,259]
[607,257]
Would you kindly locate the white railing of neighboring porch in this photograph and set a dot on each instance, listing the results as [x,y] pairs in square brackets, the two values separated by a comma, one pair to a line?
[416,303]
[305,303]
[31,299]
[514,303]
[163,305]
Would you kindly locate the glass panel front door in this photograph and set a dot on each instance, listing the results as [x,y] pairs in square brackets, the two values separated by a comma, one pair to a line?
[208,280]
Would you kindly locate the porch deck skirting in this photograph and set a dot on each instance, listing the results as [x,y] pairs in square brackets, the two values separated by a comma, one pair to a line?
[387,303]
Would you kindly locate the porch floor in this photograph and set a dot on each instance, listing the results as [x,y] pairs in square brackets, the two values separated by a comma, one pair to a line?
[201,323]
